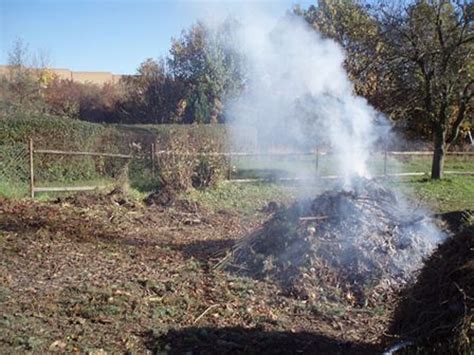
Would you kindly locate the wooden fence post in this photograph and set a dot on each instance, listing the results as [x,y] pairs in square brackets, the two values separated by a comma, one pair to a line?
[32,171]
[385,161]
[229,171]
[153,160]
[317,161]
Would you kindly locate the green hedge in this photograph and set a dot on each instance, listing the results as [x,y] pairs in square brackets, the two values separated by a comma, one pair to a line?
[64,133]
[53,132]
[49,132]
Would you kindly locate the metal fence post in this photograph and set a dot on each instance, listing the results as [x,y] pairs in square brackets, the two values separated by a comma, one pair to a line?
[385,161]
[32,171]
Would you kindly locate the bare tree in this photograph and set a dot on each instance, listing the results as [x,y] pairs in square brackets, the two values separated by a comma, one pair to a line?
[26,77]
[429,51]
[22,83]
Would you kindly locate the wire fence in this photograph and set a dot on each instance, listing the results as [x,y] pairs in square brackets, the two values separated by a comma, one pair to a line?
[23,174]
[14,170]
[325,164]
[32,152]
[55,170]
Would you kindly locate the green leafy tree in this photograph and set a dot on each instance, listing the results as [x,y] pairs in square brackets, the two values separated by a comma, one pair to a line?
[204,62]
[151,96]
[350,24]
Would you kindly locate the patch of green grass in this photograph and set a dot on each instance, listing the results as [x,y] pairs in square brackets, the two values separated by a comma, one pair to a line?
[136,195]
[244,197]
[266,167]
[103,185]
[160,312]
[145,183]
[450,194]
[301,166]
[423,164]
[13,190]
[27,342]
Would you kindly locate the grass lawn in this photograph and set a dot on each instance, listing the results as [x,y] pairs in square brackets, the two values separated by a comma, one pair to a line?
[452,193]
[18,190]
[245,197]
[305,166]
[13,189]
[449,194]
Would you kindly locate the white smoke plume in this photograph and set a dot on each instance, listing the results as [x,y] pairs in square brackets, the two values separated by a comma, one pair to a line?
[297,92]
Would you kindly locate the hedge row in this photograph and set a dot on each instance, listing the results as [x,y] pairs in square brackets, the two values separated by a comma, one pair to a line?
[53,132]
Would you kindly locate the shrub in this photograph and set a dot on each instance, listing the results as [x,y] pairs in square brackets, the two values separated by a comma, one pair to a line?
[175,169]
[185,167]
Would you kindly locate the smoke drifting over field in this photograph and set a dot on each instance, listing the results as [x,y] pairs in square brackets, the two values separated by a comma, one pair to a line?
[298,94]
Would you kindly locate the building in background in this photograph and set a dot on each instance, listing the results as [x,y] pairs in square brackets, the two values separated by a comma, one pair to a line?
[92,77]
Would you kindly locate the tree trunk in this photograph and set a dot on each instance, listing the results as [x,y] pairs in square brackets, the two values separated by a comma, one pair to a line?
[439,139]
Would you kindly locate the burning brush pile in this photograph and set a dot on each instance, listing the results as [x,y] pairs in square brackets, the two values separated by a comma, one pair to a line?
[351,246]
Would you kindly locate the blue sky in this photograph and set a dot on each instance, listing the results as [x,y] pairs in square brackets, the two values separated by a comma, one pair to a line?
[108,35]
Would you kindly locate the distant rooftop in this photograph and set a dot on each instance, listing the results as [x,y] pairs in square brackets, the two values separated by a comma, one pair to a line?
[93,77]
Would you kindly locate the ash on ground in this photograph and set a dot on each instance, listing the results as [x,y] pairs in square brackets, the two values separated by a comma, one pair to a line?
[353,246]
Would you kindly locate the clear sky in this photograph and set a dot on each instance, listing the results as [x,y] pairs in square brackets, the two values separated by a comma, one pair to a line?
[109,35]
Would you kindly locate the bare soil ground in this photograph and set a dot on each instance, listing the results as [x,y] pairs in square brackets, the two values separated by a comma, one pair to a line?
[437,311]
[95,274]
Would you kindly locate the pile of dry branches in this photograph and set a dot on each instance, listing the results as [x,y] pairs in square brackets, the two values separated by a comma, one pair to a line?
[352,246]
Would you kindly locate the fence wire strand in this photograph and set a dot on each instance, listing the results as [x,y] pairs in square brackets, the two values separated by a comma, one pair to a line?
[145,170]
[14,170]
[14,163]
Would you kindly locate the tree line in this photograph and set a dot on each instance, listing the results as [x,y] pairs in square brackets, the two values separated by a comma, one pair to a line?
[411,59]
[188,86]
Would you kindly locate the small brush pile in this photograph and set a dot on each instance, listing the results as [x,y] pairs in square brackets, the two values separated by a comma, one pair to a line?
[118,197]
[351,246]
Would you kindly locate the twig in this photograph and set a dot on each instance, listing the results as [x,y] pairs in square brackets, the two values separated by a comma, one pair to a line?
[222,262]
[204,313]
[313,218]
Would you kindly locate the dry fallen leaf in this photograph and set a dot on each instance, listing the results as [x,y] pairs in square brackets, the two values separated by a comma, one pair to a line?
[57,345]
[98,352]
